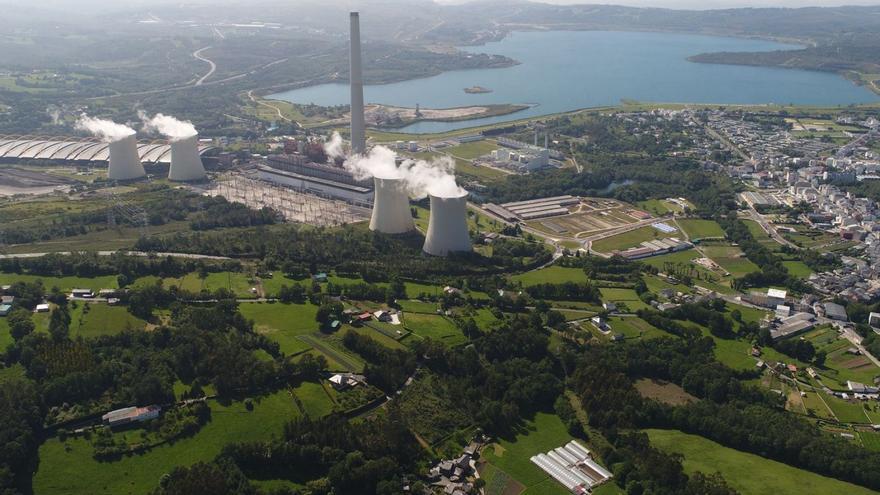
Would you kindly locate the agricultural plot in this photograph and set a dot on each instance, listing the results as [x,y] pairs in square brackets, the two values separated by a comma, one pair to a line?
[474,149]
[98,319]
[760,236]
[730,258]
[552,274]
[379,337]
[697,228]
[589,219]
[63,283]
[630,239]
[797,269]
[682,263]
[840,363]
[435,327]
[283,323]
[659,207]
[634,328]
[625,299]
[511,455]
[338,358]
[68,467]
[747,473]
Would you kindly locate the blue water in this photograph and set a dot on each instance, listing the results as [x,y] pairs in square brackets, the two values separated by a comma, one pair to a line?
[568,70]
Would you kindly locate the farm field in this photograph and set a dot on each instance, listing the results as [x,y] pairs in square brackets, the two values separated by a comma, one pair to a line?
[592,216]
[730,258]
[101,319]
[63,283]
[797,269]
[697,228]
[474,149]
[659,207]
[511,455]
[283,323]
[634,328]
[747,473]
[761,236]
[631,239]
[684,260]
[840,365]
[552,274]
[68,467]
[627,297]
[435,327]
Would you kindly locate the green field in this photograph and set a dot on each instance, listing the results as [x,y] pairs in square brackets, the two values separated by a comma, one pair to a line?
[620,297]
[435,327]
[68,467]
[659,207]
[511,455]
[630,239]
[798,269]
[700,229]
[283,323]
[474,149]
[550,275]
[747,473]
[102,319]
[634,328]
[63,283]
[730,258]
[5,338]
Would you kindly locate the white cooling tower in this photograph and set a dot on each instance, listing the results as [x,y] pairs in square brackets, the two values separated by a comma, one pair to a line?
[125,164]
[447,227]
[391,214]
[185,161]
[356,81]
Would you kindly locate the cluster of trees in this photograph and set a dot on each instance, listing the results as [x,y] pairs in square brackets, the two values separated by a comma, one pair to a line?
[387,369]
[566,291]
[772,272]
[21,418]
[219,213]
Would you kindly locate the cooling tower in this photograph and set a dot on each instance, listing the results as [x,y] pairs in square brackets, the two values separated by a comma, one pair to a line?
[185,161]
[447,227]
[356,81]
[125,164]
[391,214]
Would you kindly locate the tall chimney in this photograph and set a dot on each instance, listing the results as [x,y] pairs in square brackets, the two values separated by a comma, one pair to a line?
[358,131]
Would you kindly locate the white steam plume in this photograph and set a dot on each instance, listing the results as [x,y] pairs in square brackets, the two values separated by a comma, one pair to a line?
[107,130]
[421,177]
[168,126]
[333,147]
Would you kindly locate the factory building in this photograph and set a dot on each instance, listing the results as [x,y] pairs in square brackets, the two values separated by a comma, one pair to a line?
[533,209]
[447,226]
[322,180]
[78,151]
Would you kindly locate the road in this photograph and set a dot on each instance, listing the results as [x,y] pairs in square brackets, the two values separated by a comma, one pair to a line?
[198,54]
[129,253]
[765,225]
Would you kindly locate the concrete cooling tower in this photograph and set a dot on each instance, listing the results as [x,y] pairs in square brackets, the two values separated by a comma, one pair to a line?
[447,227]
[125,164]
[391,214]
[185,161]
[356,82]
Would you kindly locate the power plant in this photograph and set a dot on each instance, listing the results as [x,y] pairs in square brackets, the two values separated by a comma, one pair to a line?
[356,81]
[186,164]
[391,214]
[447,226]
[125,163]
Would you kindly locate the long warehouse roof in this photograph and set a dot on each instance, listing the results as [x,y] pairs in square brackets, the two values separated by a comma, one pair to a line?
[78,149]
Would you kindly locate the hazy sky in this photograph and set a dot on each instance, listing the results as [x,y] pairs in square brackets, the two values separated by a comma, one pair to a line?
[708,4]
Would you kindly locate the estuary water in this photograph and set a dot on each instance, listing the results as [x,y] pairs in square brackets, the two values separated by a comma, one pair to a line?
[567,70]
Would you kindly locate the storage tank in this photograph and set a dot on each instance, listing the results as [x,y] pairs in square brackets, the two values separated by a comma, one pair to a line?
[447,226]
[356,83]
[125,164]
[186,164]
[391,213]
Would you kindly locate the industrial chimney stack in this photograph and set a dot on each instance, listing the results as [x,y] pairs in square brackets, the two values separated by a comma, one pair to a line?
[447,226]
[125,164]
[391,214]
[358,126]
[186,164]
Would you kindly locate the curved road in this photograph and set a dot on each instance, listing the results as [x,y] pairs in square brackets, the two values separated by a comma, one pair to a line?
[198,54]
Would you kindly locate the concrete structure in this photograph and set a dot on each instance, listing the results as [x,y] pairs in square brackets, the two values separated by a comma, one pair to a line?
[447,226]
[125,164]
[186,164]
[78,151]
[391,214]
[358,125]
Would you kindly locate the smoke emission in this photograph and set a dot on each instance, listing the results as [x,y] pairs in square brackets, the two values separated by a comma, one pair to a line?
[168,126]
[333,147]
[107,130]
[421,177]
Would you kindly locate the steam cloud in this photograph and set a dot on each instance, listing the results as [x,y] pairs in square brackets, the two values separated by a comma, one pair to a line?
[107,130]
[333,148]
[168,126]
[421,177]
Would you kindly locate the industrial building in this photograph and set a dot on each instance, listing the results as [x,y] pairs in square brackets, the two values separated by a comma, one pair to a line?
[319,179]
[655,247]
[391,213]
[132,414]
[79,151]
[573,466]
[447,226]
[533,209]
